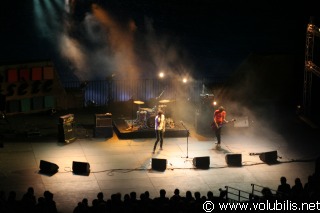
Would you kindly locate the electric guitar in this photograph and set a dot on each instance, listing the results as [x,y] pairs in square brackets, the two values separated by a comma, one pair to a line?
[215,126]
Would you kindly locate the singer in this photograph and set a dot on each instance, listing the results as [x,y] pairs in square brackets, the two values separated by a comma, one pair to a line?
[159,127]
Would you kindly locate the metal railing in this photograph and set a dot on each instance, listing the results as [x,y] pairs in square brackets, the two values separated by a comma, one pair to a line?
[234,195]
[256,190]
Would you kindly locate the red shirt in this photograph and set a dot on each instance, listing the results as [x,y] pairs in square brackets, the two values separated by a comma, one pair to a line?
[219,116]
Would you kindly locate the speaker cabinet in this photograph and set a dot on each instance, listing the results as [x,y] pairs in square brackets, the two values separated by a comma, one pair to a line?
[81,168]
[234,159]
[159,164]
[269,157]
[201,162]
[48,167]
[66,133]
[103,132]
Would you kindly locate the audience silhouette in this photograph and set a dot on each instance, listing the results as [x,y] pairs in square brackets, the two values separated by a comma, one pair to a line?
[284,189]
[12,204]
[29,201]
[309,192]
[297,191]
[82,207]
[50,204]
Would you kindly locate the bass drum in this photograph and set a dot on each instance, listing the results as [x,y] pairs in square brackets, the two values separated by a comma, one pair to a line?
[150,121]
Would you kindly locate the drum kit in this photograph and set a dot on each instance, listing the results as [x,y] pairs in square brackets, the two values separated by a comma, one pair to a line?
[146,116]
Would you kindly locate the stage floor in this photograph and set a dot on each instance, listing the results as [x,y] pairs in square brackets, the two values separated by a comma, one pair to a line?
[124,165]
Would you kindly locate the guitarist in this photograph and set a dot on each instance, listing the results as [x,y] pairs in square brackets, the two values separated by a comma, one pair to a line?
[219,118]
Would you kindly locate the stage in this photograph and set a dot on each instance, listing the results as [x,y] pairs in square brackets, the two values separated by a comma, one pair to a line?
[125,165]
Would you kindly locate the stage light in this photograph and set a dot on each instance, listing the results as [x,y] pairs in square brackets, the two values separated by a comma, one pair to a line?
[161,74]
[214,103]
[184,80]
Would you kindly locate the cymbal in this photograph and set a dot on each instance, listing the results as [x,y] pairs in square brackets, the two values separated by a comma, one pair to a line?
[138,102]
[165,101]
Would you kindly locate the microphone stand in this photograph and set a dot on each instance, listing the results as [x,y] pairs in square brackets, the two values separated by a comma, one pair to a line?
[132,114]
[160,94]
[187,138]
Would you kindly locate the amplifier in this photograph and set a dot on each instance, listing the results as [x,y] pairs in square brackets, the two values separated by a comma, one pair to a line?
[241,122]
[69,118]
[103,120]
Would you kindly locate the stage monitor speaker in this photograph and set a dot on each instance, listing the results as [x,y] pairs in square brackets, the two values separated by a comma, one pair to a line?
[159,164]
[80,168]
[48,167]
[201,162]
[269,157]
[234,159]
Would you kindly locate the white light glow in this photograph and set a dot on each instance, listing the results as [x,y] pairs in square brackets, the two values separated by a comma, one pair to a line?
[184,80]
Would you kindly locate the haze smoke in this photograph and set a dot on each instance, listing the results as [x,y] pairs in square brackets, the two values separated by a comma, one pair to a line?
[166,53]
